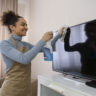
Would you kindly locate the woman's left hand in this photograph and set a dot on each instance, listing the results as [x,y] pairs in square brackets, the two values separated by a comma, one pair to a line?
[61,31]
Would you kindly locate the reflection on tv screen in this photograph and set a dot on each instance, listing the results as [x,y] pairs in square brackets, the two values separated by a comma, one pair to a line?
[77,54]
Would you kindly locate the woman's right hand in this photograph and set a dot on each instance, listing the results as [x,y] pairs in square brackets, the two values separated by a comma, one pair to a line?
[47,36]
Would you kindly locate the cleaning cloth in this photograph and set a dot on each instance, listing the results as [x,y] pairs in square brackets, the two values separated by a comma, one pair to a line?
[64,33]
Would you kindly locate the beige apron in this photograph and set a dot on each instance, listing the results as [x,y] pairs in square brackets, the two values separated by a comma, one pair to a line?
[18,79]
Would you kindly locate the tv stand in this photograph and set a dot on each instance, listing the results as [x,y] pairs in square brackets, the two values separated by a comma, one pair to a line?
[60,85]
[91,83]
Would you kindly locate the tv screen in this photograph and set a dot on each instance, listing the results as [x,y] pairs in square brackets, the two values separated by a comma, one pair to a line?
[77,54]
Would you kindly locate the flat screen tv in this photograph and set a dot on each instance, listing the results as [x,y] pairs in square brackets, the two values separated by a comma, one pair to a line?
[77,54]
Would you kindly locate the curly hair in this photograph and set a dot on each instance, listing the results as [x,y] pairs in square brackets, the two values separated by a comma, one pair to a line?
[9,18]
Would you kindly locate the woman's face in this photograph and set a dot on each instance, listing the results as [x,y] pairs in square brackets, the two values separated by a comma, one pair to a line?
[20,27]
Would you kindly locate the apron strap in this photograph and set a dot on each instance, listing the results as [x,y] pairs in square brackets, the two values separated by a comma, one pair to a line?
[13,41]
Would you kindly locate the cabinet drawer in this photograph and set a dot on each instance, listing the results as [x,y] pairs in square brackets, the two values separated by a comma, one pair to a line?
[64,91]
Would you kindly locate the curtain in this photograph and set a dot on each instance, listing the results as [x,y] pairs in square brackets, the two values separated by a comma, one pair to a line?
[5,5]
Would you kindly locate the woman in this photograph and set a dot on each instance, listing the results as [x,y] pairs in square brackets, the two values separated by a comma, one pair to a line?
[17,55]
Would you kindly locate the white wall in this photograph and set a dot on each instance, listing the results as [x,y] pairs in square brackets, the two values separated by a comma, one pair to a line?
[52,14]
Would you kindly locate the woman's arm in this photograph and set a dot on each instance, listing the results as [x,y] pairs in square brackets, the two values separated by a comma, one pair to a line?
[56,38]
[23,58]
[54,41]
